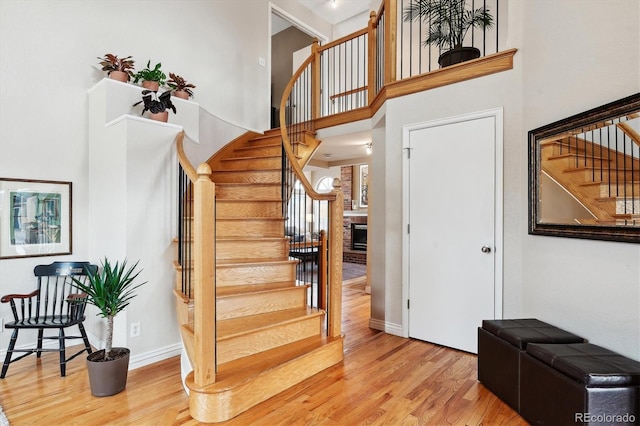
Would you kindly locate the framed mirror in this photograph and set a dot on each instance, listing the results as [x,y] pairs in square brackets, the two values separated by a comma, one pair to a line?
[584,174]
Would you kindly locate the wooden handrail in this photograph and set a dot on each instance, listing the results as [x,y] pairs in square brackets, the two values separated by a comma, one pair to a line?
[341,40]
[349,92]
[380,13]
[286,142]
[630,131]
[183,160]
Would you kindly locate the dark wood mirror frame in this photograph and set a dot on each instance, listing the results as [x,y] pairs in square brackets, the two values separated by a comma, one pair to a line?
[573,142]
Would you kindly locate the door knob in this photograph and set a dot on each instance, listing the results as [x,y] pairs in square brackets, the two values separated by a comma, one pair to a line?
[486,249]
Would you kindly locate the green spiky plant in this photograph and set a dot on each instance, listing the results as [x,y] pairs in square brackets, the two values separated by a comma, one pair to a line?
[149,74]
[110,290]
[448,20]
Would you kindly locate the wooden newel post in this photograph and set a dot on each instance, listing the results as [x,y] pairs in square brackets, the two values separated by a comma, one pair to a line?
[315,80]
[322,270]
[371,57]
[335,261]
[204,372]
[391,11]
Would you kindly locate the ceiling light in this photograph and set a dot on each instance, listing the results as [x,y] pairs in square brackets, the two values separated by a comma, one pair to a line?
[333,3]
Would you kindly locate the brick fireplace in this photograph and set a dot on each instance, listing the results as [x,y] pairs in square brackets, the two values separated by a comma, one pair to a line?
[352,218]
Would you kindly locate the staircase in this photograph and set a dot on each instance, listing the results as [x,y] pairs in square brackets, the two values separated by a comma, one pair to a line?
[267,338]
[605,181]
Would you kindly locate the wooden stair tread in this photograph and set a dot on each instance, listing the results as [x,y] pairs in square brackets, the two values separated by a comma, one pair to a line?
[255,288]
[246,171]
[251,262]
[230,328]
[237,371]
[629,182]
[252,158]
[626,216]
[252,239]
[580,157]
[231,394]
[620,197]
[587,168]
[250,218]
[250,200]
[266,145]
[243,184]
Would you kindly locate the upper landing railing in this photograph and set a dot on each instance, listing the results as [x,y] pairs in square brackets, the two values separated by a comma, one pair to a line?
[349,78]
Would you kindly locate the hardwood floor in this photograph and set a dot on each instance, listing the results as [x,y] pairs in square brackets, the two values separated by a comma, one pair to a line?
[384,380]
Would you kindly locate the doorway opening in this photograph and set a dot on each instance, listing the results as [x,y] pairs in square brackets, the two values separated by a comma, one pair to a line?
[289,45]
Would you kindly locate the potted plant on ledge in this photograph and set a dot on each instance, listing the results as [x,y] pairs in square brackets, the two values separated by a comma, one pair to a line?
[157,105]
[181,89]
[448,23]
[152,79]
[120,69]
[110,290]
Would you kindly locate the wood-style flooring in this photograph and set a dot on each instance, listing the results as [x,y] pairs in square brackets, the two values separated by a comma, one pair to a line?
[384,380]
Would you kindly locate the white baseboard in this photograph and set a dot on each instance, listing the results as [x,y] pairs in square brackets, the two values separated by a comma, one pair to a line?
[387,327]
[135,361]
[154,356]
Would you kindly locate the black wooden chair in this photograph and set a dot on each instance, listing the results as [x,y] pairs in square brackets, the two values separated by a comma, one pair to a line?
[55,304]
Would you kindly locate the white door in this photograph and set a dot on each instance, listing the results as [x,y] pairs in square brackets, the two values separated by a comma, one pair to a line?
[453,230]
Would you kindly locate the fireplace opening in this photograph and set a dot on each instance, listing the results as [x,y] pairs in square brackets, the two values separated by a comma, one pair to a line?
[359,236]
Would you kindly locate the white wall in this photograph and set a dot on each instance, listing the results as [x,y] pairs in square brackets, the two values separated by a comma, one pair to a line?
[569,60]
[353,24]
[590,287]
[48,62]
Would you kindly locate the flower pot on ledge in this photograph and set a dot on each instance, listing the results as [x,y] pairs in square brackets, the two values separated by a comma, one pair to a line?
[181,94]
[119,76]
[160,116]
[151,85]
[458,55]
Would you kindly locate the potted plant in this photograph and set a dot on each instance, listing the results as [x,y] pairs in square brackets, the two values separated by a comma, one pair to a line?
[152,79]
[110,289]
[180,87]
[448,22]
[120,69]
[157,105]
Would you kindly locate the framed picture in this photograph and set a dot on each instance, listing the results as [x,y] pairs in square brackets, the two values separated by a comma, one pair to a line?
[363,198]
[35,218]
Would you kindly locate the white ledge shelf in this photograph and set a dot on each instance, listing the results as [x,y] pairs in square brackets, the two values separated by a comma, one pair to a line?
[117,99]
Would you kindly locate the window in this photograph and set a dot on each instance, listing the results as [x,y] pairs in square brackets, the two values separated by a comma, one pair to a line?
[324,185]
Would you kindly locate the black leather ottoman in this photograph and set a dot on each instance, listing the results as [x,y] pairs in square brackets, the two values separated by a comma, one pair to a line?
[578,384]
[500,343]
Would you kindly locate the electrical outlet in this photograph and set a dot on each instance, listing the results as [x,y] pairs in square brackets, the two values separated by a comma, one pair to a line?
[135,329]
[261,61]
